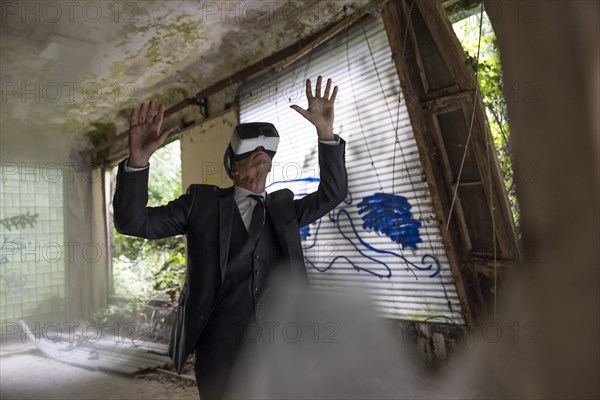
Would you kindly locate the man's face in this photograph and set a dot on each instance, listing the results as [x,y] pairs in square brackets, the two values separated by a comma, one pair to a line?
[252,169]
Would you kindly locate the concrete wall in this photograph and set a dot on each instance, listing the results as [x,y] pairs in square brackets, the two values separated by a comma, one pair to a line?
[202,149]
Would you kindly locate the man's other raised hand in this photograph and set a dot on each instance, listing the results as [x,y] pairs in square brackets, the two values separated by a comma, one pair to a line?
[320,108]
[145,136]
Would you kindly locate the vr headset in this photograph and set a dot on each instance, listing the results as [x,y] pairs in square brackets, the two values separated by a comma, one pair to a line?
[246,138]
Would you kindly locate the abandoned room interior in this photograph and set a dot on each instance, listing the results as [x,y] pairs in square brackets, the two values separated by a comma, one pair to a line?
[429,191]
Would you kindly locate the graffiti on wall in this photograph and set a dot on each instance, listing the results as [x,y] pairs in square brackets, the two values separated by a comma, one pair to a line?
[19,221]
[383,213]
[9,246]
[14,282]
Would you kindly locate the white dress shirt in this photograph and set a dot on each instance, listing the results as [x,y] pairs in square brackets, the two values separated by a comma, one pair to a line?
[245,204]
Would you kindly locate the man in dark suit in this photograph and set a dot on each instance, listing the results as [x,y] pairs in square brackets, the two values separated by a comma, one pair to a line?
[237,237]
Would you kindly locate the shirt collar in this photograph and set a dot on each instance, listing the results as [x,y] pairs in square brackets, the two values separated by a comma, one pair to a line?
[239,193]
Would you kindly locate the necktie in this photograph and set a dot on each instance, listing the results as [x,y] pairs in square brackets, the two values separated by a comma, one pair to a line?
[258,218]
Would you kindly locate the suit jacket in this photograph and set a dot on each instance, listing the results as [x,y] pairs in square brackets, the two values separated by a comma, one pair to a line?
[204,214]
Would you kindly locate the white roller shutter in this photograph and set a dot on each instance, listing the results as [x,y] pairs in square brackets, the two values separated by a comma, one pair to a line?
[409,278]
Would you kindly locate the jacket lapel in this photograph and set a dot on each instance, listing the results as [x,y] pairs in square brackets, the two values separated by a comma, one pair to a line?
[226,204]
[287,239]
[274,210]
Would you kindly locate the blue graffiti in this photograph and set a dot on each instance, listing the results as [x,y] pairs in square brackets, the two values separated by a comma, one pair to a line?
[295,180]
[433,266]
[314,241]
[9,247]
[304,232]
[390,214]
[385,213]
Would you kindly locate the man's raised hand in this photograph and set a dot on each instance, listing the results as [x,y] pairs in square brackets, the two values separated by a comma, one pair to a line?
[144,134]
[320,108]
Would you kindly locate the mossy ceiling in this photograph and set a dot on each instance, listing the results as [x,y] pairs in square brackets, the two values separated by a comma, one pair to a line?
[65,65]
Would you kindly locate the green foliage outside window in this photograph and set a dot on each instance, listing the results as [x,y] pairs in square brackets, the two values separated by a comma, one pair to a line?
[142,268]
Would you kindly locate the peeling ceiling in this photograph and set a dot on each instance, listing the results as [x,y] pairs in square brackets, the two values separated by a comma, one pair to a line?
[66,65]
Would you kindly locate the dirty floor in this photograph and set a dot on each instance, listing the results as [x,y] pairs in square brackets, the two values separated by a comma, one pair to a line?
[25,373]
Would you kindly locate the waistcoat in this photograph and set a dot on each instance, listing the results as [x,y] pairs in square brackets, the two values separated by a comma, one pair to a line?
[245,283]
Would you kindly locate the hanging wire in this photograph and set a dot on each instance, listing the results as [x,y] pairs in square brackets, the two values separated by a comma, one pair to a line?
[310,53]
[362,129]
[462,163]
[491,193]
[379,79]
[397,141]
[306,68]
[492,216]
